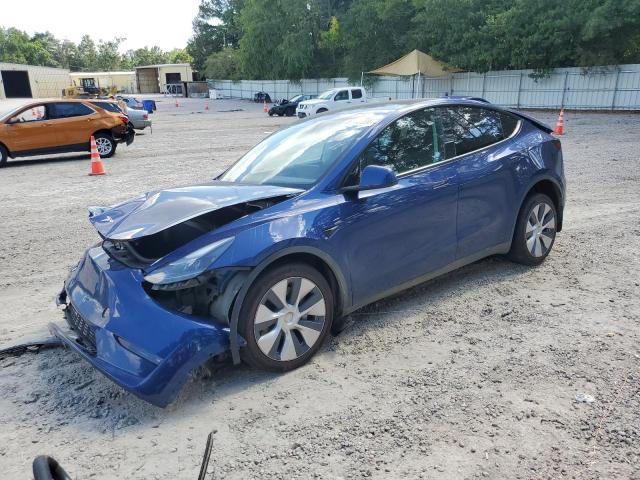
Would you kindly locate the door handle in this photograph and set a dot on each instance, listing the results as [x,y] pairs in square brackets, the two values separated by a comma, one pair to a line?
[442,183]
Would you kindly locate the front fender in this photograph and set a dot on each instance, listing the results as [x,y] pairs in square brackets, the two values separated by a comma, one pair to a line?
[234,340]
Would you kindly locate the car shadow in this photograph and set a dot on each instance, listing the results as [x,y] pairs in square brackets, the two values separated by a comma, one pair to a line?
[87,395]
[32,161]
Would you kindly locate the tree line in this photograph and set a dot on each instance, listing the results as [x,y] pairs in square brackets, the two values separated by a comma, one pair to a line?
[45,49]
[294,39]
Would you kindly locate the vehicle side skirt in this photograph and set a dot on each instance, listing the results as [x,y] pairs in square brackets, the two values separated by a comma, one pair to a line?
[500,249]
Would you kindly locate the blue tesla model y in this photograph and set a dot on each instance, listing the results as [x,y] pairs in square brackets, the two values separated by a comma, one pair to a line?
[318,220]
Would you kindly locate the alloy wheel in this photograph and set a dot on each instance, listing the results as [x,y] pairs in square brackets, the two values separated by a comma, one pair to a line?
[289,319]
[104,146]
[541,229]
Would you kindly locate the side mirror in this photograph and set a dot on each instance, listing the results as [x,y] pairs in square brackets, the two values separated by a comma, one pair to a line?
[12,120]
[372,177]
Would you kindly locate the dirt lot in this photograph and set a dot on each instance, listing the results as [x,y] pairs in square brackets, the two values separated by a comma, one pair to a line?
[472,375]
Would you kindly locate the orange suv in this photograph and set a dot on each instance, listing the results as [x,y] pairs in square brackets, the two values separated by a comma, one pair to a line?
[61,126]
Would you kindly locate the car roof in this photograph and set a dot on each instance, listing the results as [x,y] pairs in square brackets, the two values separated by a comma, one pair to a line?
[396,108]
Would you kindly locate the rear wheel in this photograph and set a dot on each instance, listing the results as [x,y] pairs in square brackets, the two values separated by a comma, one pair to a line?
[285,317]
[106,145]
[535,230]
[4,156]
[289,112]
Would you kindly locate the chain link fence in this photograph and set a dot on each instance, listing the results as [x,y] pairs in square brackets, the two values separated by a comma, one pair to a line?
[597,88]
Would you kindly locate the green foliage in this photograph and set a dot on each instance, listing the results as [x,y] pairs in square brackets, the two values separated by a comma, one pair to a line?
[44,49]
[323,38]
[224,64]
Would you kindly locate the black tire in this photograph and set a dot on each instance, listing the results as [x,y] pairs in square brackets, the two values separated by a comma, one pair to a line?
[4,156]
[322,110]
[289,112]
[108,138]
[271,114]
[527,228]
[252,353]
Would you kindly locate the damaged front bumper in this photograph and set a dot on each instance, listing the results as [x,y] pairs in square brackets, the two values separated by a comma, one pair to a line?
[128,336]
[124,134]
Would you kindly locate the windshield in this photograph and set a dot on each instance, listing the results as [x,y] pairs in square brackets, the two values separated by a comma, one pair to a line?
[328,95]
[297,98]
[299,156]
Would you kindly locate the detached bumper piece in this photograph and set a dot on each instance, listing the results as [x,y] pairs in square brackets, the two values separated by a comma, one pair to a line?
[113,324]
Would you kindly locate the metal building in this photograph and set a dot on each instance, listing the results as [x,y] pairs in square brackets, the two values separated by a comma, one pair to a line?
[156,78]
[29,81]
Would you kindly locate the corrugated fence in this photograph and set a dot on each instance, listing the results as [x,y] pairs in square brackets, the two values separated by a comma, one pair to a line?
[598,88]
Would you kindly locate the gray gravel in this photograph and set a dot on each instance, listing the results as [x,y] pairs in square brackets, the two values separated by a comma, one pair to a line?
[473,375]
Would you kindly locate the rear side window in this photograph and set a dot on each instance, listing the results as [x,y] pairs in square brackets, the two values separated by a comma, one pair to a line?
[68,110]
[466,129]
[110,107]
[357,93]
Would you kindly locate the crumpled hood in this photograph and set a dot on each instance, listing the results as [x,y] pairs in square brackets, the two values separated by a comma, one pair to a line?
[156,211]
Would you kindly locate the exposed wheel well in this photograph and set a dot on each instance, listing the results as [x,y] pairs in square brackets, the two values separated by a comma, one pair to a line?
[548,188]
[320,265]
[108,132]
[6,149]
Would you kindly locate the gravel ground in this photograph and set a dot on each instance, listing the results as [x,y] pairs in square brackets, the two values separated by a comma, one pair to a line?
[471,375]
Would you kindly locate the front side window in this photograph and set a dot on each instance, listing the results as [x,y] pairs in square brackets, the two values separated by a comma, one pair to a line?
[466,129]
[341,95]
[32,114]
[357,93]
[299,156]
[68,110]
[408,143]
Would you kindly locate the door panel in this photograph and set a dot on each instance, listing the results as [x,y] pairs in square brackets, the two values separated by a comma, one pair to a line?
[74,121]
[398,234]
[485,175]
[33,130]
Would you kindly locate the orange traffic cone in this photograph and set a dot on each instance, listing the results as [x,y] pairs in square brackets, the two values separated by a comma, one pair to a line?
[206,106]
[97,168]
[559,130]
[177,104]
[264,107]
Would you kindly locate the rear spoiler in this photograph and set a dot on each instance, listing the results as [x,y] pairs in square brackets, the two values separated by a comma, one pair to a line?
[542,126]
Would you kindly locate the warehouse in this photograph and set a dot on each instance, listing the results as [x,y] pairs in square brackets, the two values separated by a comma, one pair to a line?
[29,81]
[155,78]
[122,82]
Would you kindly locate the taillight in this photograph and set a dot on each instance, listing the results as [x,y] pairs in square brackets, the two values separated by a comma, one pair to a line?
[124,119]
[556,143]
[145,116]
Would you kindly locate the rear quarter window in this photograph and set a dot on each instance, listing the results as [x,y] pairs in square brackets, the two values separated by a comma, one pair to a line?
[356,93]
[110,107]
[509,124]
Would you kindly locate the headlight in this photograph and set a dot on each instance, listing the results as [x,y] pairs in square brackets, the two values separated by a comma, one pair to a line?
[190,265]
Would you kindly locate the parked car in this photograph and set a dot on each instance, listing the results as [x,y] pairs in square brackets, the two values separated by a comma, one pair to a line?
[316,221]
[60,126]
[138,119]
[131,102]
[288,107]
[332,100]
[261,97]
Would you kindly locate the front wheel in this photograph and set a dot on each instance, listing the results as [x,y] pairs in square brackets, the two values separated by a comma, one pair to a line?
[106,145]
[322,110]
[535,231]
[285,317]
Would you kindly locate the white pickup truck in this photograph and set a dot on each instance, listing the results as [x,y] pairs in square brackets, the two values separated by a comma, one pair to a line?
[331,100]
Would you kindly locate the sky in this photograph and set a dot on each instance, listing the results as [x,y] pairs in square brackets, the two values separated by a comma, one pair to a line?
[142,22]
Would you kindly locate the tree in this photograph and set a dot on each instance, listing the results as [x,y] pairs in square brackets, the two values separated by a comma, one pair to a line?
[87,54]
[108,56]
[224,64]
